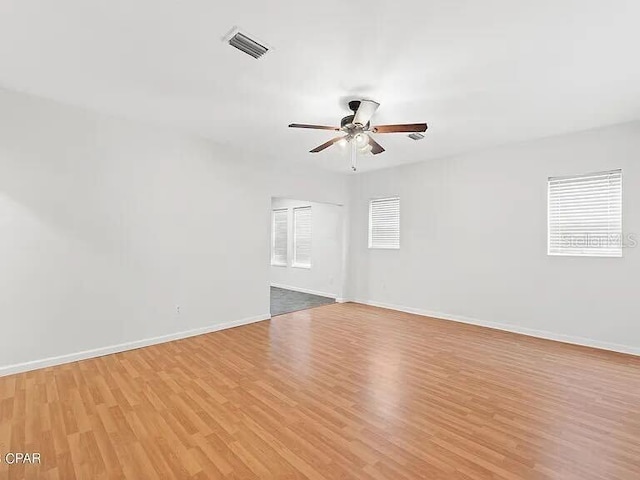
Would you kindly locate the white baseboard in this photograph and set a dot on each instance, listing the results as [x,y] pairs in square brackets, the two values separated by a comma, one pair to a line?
[304,290]
[558,337]
[99,352]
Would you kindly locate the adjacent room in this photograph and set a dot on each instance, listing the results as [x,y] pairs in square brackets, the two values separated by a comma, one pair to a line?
[306,254]
[356,240]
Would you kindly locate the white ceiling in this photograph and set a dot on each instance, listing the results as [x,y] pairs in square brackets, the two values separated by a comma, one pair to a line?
[480,73]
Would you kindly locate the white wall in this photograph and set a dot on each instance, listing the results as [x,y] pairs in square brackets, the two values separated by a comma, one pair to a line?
[107,225]
[473,241]
[325,275]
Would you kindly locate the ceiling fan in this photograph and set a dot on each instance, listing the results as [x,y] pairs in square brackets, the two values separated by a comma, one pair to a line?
[357,129]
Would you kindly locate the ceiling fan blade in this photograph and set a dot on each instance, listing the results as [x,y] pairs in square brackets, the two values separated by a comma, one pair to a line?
[326,145]
[376,148]
[365,111]
[405,128]
[315,127]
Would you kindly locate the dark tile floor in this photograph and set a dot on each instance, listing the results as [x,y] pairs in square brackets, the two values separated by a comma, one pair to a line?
[285,301]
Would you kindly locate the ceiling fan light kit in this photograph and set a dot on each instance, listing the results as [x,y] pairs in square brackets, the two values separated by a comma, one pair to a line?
[357,130]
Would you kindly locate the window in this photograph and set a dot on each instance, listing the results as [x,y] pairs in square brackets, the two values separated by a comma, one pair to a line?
[585,215]
[384,223]
[279,238]
[302,237]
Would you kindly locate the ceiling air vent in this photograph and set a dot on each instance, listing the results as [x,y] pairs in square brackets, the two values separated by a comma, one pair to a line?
[415,136]
[246,44]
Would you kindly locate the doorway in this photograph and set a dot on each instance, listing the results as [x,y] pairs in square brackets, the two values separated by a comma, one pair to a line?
[306,254]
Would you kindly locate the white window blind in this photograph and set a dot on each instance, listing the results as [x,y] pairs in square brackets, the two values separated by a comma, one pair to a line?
[384,223]
[302,237]
[279,237]
[585,215]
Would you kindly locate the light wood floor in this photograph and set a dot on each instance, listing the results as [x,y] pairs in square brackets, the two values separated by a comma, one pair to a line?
[341,391]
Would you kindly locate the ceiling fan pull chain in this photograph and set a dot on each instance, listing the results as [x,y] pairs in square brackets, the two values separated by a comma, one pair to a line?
[354,155]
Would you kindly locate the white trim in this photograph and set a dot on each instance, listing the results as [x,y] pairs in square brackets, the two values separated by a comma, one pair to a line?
[305,290]
[592,255]
[122,347]
[558,337]
[584,175]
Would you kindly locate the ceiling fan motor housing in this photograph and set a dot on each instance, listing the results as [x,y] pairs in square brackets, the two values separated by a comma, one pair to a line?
[347,123]
[348,120]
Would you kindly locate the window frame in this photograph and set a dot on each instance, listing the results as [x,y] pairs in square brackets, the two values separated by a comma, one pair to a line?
[274,263]
[585,251]
[294,262]
[370,244]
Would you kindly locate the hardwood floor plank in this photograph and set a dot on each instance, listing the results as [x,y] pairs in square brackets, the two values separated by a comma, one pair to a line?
[340,391]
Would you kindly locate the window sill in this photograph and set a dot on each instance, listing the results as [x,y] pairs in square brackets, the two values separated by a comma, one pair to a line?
[306,267]
[278,264]
[588,255]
